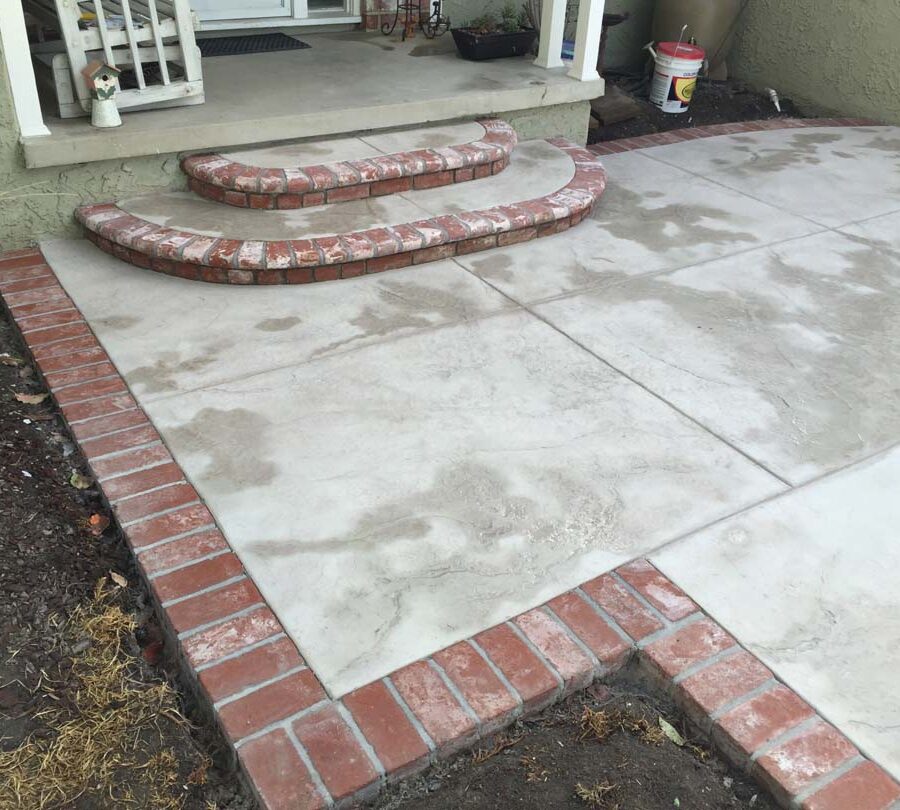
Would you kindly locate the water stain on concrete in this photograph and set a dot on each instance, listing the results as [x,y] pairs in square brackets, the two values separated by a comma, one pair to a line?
[278,324]
[117,322]
[356,39]
[162,375]
[494,267]
[234,443]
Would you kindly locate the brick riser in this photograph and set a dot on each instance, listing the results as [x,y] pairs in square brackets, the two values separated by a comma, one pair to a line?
[232,261]
[222,180]
[301,750]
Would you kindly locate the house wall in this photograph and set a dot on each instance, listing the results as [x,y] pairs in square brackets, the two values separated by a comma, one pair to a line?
[38,203]
[831,55]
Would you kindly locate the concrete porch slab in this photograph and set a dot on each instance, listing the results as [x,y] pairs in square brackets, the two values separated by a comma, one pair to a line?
[345,82]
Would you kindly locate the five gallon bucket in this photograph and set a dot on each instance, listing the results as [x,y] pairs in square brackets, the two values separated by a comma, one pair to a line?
[677,67]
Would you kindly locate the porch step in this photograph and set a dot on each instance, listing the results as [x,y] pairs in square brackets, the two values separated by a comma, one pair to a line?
[387,163]
[185,236]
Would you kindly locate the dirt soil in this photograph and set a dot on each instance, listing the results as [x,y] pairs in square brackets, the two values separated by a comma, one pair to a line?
[714,102]
[55,545]
[603,749]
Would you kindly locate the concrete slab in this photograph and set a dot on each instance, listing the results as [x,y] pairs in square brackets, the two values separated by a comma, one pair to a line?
[832,176]
[167,335]
[791,353]
[810,582]
[517,182]
[652,217]
[395,499]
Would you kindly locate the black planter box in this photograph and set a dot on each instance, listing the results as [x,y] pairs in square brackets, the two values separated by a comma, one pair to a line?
[492,46]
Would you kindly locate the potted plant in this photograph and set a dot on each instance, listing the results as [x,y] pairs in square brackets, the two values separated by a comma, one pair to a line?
[487,37]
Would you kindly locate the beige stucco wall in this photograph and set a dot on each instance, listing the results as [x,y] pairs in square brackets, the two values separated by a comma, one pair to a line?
[841,55]
[35,203]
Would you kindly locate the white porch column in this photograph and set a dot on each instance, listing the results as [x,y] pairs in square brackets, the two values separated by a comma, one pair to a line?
[19,69]
[587,40]
[553,21]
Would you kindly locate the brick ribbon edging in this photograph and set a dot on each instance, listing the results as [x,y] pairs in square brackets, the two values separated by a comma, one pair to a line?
[298,748]
[223,180]
[711,131]
[299,261]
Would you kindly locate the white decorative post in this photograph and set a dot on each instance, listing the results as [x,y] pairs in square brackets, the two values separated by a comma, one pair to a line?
[17,55]
[553,21]
[587,40]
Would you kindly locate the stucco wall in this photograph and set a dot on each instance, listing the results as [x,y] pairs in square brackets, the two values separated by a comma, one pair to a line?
[35,203]
[841,55]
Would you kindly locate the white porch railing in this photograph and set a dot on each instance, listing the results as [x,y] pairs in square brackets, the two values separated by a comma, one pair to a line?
[587,37]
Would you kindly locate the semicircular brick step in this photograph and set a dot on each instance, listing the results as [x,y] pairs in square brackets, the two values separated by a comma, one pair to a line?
[231,180]
[204,257]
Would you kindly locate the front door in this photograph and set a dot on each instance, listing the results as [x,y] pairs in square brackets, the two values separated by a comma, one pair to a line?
[241,9]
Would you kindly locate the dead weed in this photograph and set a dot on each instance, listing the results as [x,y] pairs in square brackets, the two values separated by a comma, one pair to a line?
[600,723]
[599,796]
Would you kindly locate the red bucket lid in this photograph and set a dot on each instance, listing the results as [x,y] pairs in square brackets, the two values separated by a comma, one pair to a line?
[681,50]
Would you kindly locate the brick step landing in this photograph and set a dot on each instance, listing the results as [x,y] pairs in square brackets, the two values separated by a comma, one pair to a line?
[282,258]
[272,178]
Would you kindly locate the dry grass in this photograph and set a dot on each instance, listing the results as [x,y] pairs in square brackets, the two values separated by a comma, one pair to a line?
[599,796]
[101,727]
[501,743]
[599,724]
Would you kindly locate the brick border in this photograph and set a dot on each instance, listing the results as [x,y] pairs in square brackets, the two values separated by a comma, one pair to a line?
[300,261]
[711,131]
[244,186]
[298,748]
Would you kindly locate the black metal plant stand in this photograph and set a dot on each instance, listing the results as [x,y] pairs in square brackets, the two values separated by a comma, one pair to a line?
[432,26]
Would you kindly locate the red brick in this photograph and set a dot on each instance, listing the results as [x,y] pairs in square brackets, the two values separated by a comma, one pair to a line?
[464,174]
[132,460]
[60,317]
[386,727]
[353,269]
[49,301]
[535,683]
[790,767]
[231,636]
[73,360]
[482,170]
[289,201]
[565,655]
[433,180]
[269,704]
[346,193]
[313,198]
[90,390]
[126,486]
[25,257]
[482,689]
[658,590]
[745,728]
[56,333]
[196,577]
[432,702]
[434,254]
[688,646]
[24,285]
[64,347]
[476,244]
[278,774]
[335,753]
[107,424]
[865,787]
[590,627]
[213,605]
[514,237]
[395,186]
[73,375]
[398,260]
[160,500]
[102,406]
[162,527]
[253,667]
[299,275]
[708,690]
[328,272]
[182,551]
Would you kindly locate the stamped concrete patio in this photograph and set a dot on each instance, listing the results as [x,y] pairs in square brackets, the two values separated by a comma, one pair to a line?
[705,373]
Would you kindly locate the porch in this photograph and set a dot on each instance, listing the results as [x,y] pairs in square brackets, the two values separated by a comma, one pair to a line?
[346,81]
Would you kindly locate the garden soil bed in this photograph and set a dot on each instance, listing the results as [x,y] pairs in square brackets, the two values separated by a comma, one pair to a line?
[714,102]
[91,712]
[603,749]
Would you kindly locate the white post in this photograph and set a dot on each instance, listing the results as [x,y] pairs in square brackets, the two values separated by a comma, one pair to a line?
[587,40]
[553,21]
[17,56]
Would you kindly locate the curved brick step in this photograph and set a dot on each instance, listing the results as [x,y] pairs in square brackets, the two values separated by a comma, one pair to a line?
[297,261]
[218,177]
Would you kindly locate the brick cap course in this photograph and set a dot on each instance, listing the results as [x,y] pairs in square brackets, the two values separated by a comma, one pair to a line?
[300,261]
[299,748]
[239,184]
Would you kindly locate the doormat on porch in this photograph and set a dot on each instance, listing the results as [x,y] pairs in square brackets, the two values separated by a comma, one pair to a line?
[251,43]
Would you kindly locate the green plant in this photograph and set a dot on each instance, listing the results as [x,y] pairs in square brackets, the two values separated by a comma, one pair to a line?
[509,18]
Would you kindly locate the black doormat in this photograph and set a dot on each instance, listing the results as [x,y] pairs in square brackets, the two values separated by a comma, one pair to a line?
[251,43]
